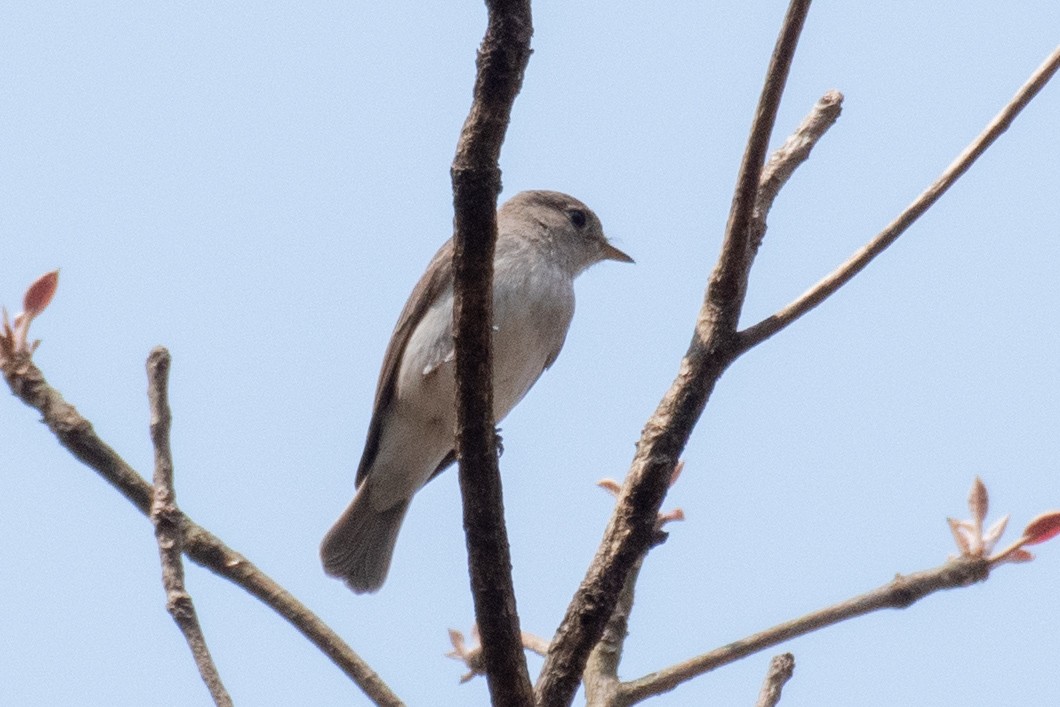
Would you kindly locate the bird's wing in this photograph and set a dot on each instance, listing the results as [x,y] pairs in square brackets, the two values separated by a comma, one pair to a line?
[438,277]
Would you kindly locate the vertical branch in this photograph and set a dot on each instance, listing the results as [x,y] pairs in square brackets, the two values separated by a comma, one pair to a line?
[169,528]
[713,348]
[502,60]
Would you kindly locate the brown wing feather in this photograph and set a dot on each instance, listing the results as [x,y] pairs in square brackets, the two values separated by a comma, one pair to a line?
[438,276]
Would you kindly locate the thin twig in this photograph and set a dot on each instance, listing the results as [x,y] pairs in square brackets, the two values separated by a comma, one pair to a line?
[781,668]
[844,273]
[502,60]
[632,526]
[167,521]
[76,434]
[899,593]
[783,163]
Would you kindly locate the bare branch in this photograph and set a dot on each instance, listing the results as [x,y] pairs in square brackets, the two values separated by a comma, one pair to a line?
[167,520]
[780,671]
[632,526]
[601,671]
[899,593]
[783,163]
[76,434]
[728,282]
[502,61]
[715,345]
[844,273]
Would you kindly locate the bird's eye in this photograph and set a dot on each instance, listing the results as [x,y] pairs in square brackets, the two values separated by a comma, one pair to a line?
[577,218]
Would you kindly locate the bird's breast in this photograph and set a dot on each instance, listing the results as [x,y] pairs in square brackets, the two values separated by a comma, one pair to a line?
[531,314]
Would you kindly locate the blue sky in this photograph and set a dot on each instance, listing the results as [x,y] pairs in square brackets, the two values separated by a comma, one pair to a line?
[257,186]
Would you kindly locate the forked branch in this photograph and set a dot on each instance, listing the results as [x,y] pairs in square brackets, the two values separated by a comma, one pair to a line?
[631,528]
[200,545]
[828,286]
[169,531]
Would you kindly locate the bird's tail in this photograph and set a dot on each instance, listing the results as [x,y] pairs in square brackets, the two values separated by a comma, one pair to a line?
[359,546]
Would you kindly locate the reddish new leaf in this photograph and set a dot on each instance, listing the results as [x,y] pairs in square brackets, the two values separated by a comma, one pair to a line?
[1044,527]
[1019,555]
[40,293]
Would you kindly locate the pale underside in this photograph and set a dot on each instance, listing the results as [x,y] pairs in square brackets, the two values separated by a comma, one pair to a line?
[417,430]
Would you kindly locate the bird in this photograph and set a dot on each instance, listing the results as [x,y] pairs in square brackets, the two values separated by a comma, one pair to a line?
[544,240]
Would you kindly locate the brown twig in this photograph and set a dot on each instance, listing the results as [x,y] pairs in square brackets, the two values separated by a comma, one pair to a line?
[632,526]
[901,592]
[502,61]
[167,520]
[783,163]
[781,668]
[844,273]
[76,434]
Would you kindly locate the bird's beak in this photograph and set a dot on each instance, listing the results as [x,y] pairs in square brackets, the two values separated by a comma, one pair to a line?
[613,253]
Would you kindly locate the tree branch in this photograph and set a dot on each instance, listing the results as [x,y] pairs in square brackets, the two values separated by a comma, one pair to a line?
[602,685]
[783,163]
[76,434]
[728,282]
[901,592]
[167,521]
[502,60]
[630,531]
[781,668]
[601,672]
[828,286]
